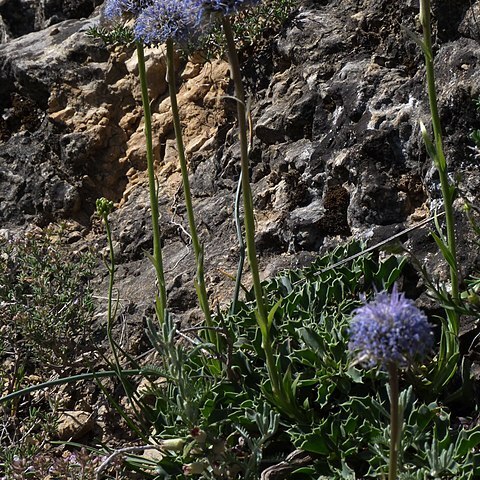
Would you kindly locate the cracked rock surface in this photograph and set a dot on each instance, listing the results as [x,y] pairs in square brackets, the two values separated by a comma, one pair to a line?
[336,101]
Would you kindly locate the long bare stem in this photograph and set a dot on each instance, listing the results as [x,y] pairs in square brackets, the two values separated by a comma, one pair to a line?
[449,345]
[197,247]
[249,221]
[157,247]
[395,429]
[440,160]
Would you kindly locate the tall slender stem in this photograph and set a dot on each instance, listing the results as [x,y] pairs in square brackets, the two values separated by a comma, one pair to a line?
[157,247]
[248,211]
[246,189]
[111,312]
[111,282]
[395,429]
[241,244]
[449,345]
[441,163]
[197,247]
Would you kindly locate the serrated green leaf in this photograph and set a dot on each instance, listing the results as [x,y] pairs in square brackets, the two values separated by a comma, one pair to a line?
[316,444]
[467,440]
[311,338]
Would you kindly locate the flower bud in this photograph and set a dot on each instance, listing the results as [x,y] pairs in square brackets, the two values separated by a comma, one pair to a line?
[173,444]
[199,435]
[194,468]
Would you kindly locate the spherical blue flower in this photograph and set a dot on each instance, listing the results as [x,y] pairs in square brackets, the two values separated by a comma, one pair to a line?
[390,330]
[164,19]
[116,9]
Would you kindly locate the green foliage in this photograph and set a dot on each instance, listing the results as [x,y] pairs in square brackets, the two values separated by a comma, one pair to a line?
[80,465]
[119,34]
[475,136]
[45,301]
[23,439]
[253,28]
[343,418]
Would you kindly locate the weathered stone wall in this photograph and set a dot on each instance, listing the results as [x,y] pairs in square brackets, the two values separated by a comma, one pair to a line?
[336,103]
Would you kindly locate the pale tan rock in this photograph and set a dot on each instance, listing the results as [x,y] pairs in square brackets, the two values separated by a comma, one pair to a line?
[155,68]
[171,154]
[129,120]
[95,115]
[125,83]
[196,143]
[63,115]
[74,424]
[191,70]
[136,151]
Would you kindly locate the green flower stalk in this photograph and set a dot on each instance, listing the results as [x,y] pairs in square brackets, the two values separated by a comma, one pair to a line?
[435,149]
[283,397]
[177,21]
[104,208]
[152,186]
[197,247]
[390,332]
[449,348]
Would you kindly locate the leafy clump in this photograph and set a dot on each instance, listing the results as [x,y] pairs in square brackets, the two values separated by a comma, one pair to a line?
[253,28]
[45,301]
[341,428]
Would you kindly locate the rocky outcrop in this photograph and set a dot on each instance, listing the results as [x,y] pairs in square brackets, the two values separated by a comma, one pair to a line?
[20,17]
[74,109]
[336,102]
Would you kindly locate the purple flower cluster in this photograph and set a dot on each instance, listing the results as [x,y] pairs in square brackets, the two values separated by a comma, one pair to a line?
[116,9]
[156,21]
[390,330]
[164,19]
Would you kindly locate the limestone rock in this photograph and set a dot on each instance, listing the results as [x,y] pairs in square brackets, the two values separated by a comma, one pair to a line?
[336,102]
[74,424]
[26,16]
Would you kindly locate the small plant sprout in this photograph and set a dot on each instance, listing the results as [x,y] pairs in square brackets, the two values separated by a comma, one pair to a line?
[390,332]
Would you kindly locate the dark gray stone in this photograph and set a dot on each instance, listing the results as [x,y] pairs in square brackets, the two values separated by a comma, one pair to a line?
[336,105]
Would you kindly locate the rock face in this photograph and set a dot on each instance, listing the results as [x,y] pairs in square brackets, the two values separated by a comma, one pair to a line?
[20,17]
[336,103]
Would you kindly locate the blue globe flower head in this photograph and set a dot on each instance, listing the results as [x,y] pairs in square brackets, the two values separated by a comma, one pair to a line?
[225,7]
[178,20]
[115,10]
[390,330]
